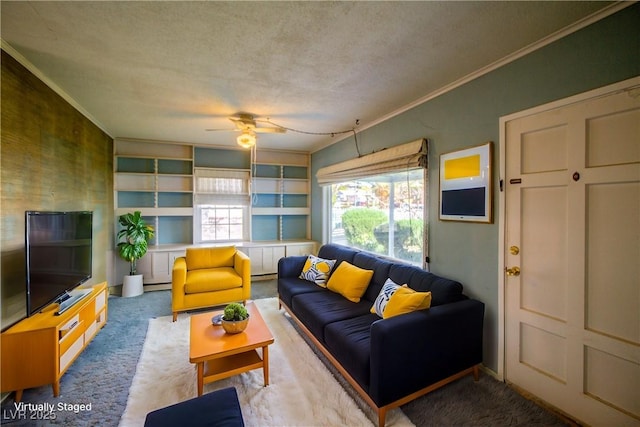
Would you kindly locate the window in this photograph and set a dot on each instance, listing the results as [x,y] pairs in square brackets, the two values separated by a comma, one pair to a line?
[220,223]
[221,205]
[377,202]
[383,214]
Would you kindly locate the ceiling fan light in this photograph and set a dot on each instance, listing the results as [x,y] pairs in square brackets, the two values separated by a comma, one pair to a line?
[246,139]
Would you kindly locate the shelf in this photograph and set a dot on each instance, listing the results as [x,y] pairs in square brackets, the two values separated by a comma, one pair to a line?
[278,185]
[150,212]
[175,183]
[281,211]
[137,165]
[279,158]
[134,182]
[158,150]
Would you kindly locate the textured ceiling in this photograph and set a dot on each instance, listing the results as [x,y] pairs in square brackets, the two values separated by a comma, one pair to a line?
[169,70]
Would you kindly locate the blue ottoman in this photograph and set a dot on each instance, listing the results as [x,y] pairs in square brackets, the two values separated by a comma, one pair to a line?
[216,409]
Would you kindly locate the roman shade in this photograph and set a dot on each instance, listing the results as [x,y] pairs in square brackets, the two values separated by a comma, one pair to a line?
[406,156]
[221,186]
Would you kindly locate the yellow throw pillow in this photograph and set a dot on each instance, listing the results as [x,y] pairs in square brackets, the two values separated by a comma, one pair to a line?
[406,300]
[350,281]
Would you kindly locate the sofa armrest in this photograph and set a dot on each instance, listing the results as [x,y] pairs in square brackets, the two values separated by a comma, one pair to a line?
[242,266]
[178,280]
[412,351]
[291,266]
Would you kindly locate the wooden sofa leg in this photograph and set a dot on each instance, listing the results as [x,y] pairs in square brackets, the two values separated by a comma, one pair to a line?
[382,415]
[175,316]
[476,373]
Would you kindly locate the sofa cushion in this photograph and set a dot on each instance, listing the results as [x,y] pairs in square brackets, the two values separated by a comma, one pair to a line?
[402,273]
[443,291]
[337,252]
[350,281]
[318,309]
[349,341]
[211,279]
[406,300]
[221,256]
[380,269]
[288,287]
[317,270]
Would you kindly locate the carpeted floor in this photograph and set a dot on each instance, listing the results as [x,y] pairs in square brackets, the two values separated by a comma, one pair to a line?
[102,375]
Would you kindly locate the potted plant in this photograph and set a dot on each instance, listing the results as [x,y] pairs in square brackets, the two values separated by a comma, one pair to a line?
[133,241]
[235,318]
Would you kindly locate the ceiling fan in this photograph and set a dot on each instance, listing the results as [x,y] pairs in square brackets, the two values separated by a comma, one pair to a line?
[246,124]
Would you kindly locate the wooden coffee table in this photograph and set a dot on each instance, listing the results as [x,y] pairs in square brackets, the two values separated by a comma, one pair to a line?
[219,355]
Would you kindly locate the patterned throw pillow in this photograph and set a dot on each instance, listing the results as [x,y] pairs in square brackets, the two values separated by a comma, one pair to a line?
[388,289]
[394,300]
[317,270]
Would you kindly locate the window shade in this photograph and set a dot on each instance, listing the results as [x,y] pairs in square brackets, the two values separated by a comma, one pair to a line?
[409,155]
[221,187]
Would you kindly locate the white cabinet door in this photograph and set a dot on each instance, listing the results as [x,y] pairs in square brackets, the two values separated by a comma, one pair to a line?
[156,266]
[264,259]
[300,249]
[160,271]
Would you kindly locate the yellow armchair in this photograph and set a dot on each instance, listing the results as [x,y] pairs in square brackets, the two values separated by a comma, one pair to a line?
[207,277]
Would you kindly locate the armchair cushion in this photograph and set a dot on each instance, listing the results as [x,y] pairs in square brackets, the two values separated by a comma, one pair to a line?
[209,276]
[211,279]
[198,258]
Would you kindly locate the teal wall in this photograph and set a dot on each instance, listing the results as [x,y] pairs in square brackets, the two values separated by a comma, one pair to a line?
[603,53]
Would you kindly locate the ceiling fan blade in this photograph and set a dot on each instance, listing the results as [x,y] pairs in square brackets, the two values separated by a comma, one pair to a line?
[222,130]
[243,121]
[269,130]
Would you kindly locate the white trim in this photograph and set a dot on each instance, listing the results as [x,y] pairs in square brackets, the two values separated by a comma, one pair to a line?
[576,26]
[629,84]
[48,82]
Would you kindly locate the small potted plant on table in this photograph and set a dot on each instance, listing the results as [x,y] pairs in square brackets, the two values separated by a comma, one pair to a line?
[133,243]
[235,318]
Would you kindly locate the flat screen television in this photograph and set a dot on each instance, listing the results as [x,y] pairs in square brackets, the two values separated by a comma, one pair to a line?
[58,254]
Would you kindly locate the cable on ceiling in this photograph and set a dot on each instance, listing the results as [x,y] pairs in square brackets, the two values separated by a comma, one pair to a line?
[331,134]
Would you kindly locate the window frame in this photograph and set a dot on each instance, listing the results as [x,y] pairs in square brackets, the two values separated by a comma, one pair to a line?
[327,209]
[224,199]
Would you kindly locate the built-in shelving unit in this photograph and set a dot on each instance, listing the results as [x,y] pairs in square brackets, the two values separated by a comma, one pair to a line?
[157,178]
[280,196]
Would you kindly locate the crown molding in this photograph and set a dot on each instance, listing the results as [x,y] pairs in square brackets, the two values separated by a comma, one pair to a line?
[47,81]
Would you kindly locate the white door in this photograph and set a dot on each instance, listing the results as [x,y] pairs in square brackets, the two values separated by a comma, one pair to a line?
[572,315]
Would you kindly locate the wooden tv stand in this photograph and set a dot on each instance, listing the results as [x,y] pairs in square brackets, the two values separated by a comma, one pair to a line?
[38,350]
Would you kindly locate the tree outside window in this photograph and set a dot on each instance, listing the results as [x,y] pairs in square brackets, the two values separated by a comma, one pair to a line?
[383,214]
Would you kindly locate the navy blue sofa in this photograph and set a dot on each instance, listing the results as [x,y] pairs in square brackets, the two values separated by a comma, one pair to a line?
[388,361]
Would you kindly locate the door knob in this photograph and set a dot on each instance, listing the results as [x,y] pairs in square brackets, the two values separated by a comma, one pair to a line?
[513,271]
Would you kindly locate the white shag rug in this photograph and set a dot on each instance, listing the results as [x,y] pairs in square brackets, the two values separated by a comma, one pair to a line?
[302,391]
